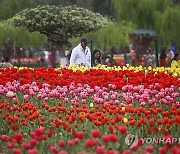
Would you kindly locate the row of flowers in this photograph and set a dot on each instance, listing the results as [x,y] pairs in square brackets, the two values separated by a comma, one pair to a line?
[63,126]
[93,77]
[152,95]
[75,110]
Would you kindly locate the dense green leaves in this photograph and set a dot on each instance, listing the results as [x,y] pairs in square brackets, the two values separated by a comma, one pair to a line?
[160,15]
[59,23]
[167,24]
[20,36]
[114,35]
[140,12]
[8,8]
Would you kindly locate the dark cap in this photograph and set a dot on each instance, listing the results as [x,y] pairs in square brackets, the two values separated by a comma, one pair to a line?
[85,40]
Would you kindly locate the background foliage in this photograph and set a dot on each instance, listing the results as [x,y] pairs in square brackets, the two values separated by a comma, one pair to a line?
[159,15]
[20,36]
[59,23]
[163,16]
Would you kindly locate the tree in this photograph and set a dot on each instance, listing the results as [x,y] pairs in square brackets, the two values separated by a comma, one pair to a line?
[140,12]
[12,37]
[167,25]
[159,15]
[176,1]
[8,8]
[59,23]
[104,7]
[20,36]
[114,35]
[55,2]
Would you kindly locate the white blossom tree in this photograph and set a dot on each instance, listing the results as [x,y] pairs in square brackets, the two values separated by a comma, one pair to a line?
[59,23]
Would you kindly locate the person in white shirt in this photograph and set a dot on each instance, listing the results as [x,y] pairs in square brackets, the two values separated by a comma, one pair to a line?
[81,54]
[47,54]
[170,56]
[5,63]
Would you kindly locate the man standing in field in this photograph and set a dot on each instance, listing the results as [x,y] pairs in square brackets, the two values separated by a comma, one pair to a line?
[81,54]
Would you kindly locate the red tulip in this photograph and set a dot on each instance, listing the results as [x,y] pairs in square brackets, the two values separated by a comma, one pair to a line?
[62,152]
[16,151]
[71,143]
[18,137]
[175,150]
[76,140]
[123,129]
[54,149]
[80,134]
[105,138]
[33,142]
[126,152]
[113,137]
[150,148]
[163,150]
[112,152]
[39,131]
[95,133]
[134,148]
[61,143]
[100,150]
[33,151]
[91,142]
[27,146]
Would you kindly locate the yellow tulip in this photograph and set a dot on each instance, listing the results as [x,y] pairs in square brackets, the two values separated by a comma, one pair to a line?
[91,105]
[125,120]
[123,108]
[127,65]
[149,68]
[21,68]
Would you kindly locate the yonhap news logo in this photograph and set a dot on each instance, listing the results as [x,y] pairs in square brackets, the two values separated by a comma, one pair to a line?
[131,140]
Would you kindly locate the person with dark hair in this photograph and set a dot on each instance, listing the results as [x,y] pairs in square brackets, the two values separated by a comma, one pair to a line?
[170,56]
[96,57]
[176,57]
[81,54]
[5,63]
[175,62]
[133,55]
[163,57]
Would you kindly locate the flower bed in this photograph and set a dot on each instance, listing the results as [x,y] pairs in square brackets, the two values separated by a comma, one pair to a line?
[103,110]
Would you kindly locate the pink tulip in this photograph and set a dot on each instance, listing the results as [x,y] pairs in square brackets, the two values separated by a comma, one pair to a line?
[54,149]
[33,151]
[126,152]
[90,142]
[100,150]
[4,137]
[62,152]
[16,151]
[10,144]
[71,143]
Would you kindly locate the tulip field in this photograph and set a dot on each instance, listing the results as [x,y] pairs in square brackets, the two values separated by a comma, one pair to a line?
[102,110]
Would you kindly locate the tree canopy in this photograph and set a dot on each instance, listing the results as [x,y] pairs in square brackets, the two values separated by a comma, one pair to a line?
[8,8]
[140,12]
[114,35]
[20,36]
[167,25]
[163,16]
[59,23]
